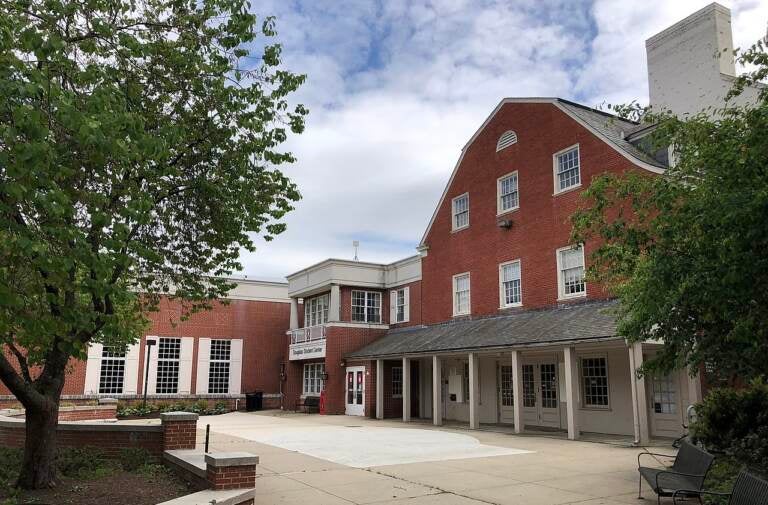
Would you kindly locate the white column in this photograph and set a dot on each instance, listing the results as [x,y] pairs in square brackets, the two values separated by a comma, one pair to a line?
[571,390]
[334,308]
[294,322]
[406,390]
[694,386]
[379,389]
[639,395]
[474,391]
[437,391]
[517,390]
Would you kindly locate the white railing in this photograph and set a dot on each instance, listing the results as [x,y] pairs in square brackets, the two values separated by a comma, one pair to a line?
[308,334]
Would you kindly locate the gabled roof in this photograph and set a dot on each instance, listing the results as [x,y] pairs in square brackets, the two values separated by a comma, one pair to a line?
[591,321]
[609,128]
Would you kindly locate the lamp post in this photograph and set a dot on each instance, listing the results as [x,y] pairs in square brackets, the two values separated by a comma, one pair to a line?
[150,343]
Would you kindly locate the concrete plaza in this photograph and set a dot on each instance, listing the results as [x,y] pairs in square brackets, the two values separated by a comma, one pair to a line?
[312,459]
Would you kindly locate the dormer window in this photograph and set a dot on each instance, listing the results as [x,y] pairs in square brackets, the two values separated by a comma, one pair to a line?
[507,138]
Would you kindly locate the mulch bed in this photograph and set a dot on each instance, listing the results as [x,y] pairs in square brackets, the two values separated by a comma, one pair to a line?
[119,488]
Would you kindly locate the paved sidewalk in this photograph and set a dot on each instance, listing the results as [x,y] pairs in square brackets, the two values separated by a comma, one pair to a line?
[549,471]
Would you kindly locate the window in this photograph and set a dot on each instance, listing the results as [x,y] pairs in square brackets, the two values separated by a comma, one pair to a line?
[366,307]
[397,381]
[507,193]
[313,378]
[509,284]
[400,305]
[112,372]
[594,382]
[529,386]
[218,367]
[570,263]
[507,391]
[168,354]
[461,211]
[664,395]
[507,138]
[548,377]
[567,169]
[316,310]
[461,294]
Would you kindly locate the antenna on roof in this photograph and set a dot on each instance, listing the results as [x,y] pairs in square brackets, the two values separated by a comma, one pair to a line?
[356,245]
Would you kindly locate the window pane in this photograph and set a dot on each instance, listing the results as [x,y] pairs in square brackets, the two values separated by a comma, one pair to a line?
[594,372]
[168,354]
[112,372]
[508,194]
[568,169]
[461,211]
[218,368]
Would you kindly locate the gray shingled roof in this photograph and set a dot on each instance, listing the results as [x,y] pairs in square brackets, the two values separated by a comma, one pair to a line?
[582,322]
[613,127]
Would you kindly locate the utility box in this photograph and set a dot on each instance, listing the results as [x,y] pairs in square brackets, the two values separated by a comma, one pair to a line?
[456,386]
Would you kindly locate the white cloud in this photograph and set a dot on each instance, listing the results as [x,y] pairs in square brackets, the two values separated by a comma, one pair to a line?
[396,89]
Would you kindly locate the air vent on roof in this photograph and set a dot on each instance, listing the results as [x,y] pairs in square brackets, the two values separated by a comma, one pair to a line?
[507,139]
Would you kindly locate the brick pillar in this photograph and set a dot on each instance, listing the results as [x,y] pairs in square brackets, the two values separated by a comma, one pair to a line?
[231,470]
[179,430]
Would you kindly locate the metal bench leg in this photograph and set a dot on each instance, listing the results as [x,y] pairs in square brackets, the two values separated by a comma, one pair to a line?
[639,488]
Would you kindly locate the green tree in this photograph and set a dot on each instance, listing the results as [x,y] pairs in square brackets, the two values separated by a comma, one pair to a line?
[139,142]
[686,252]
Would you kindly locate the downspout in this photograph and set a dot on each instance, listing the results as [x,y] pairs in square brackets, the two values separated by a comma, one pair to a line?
[635,407]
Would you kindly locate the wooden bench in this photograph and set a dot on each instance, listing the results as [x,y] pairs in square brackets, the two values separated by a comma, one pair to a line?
[308,404]
[685,476]
[747,490]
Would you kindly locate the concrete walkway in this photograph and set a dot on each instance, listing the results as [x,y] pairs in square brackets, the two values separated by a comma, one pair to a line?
[532,471]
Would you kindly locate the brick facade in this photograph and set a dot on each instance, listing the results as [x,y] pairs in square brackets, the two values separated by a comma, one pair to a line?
[540,225]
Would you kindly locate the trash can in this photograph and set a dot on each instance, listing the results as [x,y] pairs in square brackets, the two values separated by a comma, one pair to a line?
[254,401]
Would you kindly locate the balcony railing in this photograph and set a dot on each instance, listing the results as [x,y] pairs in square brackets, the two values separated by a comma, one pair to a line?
[308,334]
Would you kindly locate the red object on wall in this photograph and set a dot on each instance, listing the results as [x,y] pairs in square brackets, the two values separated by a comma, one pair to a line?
[322,401]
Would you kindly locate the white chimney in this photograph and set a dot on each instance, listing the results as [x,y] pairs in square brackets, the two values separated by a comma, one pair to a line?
[691,64]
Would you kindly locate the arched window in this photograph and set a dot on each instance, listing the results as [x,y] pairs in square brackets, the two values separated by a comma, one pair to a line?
[507,139]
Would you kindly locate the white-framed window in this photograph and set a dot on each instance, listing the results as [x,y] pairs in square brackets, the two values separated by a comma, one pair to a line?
[570,271]
[316,310]
[399,301]
[664,394]
[461,300]
[397,382]
[366,306]
[219,365]
[510,287]
[112,374]
[567,169]
[313,379]
[594,382]
[168,364]
[507,193]
[460,212]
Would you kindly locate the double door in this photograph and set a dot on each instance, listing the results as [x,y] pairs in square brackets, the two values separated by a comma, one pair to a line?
[355,394]
[541,403]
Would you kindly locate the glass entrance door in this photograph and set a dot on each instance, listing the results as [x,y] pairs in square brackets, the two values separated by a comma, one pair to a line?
[355,391]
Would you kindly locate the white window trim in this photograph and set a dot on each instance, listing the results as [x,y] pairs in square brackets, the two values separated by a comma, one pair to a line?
[555,181]
[321,382]
[352,306]
[393,305]
[583,402]
[499,210]
[453,212]
[560,287]
[502,294]
[469,295]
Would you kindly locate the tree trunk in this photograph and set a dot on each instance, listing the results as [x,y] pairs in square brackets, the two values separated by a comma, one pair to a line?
[38,470]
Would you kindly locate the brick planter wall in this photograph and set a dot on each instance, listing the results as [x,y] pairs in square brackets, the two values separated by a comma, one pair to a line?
[231,470]
[179,430]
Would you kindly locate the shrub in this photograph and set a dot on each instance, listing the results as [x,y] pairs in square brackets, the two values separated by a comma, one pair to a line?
[82,463]
[133,458]
[220,408]
[735,422]
[10,462]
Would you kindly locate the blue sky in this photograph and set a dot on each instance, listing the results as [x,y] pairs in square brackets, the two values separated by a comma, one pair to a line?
[396,88]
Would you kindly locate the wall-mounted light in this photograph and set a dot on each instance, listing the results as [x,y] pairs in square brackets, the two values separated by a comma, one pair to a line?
[325,376]
[504,223]
[343,363]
